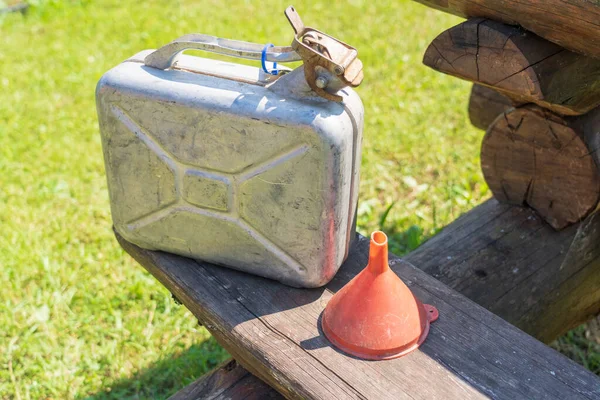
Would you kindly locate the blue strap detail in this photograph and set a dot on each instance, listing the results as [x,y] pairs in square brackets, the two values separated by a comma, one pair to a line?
[263,61]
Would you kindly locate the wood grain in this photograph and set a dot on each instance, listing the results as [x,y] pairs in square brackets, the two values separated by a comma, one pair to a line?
[485,104]
[572,24]
[519,64]
[273,331]
[510,261]
[530,156]
[228,381]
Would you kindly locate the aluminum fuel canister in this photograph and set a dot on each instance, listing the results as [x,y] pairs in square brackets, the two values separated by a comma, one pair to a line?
[231,164]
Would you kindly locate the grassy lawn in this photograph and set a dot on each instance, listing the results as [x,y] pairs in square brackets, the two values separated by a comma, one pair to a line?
[79,318]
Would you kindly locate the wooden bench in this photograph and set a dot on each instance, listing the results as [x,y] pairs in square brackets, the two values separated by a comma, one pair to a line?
[504,257]
[495,270]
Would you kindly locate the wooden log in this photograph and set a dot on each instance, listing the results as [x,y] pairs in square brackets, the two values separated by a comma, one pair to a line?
[589,126]
[519,64]
[485,104]
[570,24]
[229,381]
[273,331]
[530,156]
[508,260]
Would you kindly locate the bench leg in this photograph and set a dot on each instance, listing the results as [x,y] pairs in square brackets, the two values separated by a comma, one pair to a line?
[228,381]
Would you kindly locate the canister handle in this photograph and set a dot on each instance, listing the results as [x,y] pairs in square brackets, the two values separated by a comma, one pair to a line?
[167,55]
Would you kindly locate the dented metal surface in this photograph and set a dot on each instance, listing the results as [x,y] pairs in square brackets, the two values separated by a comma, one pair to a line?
[221,162]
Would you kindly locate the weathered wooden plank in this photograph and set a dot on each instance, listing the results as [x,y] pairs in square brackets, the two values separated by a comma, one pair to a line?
[519,64]
[573,24]
[508,260]
[228,381]
[273,331]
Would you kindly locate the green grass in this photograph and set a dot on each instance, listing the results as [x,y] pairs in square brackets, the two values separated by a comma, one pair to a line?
[582,345]
[79,318]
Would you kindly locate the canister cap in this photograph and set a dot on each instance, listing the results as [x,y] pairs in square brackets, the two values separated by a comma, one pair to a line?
[329,63]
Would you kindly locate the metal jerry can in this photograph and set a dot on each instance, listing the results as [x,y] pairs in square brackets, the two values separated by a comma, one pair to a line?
[240,166]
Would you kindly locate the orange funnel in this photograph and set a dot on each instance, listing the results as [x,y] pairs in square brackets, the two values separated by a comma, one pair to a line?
[376,316]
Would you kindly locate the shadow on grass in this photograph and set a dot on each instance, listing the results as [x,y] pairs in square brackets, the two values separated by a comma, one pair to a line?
[167,376]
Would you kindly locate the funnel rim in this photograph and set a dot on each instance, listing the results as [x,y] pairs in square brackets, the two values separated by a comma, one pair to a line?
[370,354]
[379,238]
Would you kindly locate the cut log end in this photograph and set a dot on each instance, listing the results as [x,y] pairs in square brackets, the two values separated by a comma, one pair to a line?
[533,157]
[570,24]
[519,64]
[485,104]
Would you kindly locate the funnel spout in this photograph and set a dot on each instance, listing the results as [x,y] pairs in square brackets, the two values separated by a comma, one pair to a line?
[378,253]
